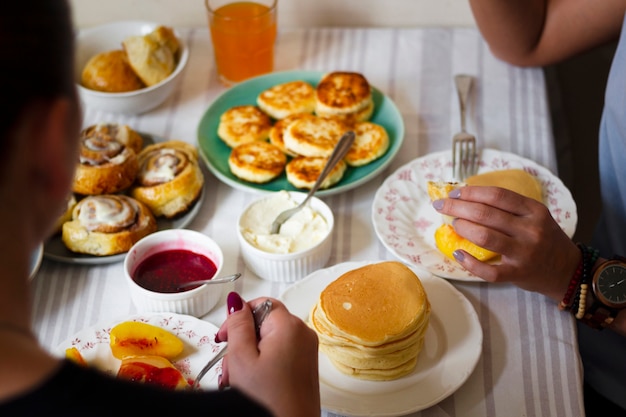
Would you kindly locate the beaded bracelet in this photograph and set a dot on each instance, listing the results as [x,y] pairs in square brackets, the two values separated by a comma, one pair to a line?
[573,284]
[589,258]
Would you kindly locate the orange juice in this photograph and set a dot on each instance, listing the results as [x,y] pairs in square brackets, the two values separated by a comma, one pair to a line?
[243,35]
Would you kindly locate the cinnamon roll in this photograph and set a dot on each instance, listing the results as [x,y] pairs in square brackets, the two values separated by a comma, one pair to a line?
[107,224]
[169,180]
[107,160]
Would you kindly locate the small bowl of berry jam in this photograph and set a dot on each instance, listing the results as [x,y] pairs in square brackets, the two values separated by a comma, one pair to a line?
[157,265]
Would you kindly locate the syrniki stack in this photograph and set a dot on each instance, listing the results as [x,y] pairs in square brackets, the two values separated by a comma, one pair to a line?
[346,95]
[287,99]
[243,124]
[371,321]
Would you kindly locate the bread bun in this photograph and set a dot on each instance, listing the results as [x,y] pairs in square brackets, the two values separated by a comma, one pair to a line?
[107,160]
[107,225]
[110,72]
[169,180]
[446,238]
[371,321]
[154,56]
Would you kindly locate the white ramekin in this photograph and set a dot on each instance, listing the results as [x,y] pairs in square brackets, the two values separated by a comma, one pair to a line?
[288,267]
[195,302]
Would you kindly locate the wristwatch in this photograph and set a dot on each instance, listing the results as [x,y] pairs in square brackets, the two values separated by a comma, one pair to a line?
[608,292]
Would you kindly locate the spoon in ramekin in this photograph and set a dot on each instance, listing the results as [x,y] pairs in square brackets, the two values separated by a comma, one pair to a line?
[221,280]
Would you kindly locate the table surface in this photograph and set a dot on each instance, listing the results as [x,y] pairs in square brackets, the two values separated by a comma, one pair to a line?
[530,363]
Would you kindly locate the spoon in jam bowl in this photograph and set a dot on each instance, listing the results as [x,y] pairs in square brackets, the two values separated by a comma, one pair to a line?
[340,150]
[221,280]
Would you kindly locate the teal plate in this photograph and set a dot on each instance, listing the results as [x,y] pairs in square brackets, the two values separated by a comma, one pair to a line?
[215,152]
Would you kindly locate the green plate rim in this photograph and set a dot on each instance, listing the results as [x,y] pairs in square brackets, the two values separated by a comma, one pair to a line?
[215,152]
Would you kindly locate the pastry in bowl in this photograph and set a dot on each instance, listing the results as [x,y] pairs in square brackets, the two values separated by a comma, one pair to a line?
[154,56]
[107,160]
[371,321]
[107,225]
[446,238]
[110,72]
[169,179]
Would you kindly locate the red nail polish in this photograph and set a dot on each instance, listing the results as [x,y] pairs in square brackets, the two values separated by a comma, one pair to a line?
[233,302]
[217,338]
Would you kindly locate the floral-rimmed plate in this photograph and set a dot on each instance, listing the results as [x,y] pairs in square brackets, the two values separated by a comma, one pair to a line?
[405,221]
[197,335]
[452,348]
[215,152]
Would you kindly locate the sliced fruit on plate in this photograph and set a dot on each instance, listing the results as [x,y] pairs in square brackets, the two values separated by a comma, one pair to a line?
[150,369]
[133,338]
[74,355]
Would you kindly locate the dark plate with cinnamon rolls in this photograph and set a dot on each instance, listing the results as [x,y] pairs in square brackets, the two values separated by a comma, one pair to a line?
[163,190]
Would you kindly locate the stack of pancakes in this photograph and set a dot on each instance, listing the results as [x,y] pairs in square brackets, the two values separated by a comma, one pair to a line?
[309,121]
[371,321]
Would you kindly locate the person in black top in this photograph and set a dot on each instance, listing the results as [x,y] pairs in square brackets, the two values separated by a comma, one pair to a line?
[39,126]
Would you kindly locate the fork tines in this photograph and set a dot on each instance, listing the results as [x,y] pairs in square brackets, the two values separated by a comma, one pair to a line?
[464,157]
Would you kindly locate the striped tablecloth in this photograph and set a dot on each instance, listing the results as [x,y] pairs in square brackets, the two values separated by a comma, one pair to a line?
[529,364]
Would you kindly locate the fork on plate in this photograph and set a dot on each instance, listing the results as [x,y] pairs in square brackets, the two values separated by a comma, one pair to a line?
[464,155]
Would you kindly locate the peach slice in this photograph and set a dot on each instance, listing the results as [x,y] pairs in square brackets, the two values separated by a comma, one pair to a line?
[74,355]
[155,370]
[132,338]
[447,241]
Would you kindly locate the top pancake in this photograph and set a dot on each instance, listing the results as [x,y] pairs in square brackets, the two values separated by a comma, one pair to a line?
[287,99]
[376,303]
[341,93]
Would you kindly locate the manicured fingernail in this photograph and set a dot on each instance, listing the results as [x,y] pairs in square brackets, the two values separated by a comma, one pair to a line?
[456,193]
[220,387]
[438,204]
[217,338]
[458,255]
[234,302]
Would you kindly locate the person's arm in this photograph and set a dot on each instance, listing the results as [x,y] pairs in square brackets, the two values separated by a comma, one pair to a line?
[542,32]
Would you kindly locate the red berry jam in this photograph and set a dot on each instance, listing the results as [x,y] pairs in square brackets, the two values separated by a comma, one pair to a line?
[166,271]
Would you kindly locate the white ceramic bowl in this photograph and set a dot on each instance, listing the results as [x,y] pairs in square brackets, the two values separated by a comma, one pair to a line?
[195,302]
[92,41]
[287,267]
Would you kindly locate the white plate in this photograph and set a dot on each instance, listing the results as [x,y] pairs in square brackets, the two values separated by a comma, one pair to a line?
[452,347]
[405,221]
[35,260]
[197,335]
[55,249]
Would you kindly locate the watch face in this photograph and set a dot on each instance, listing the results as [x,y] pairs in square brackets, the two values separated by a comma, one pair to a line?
[610,284]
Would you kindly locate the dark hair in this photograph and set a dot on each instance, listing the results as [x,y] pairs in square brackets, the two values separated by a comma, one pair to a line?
[36,58]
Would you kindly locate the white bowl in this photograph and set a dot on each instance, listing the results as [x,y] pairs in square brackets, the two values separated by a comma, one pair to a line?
[286,267]
[194,302]
[92,41]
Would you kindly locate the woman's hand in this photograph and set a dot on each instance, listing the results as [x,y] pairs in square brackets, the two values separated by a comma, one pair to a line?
[280,370]
[536,255]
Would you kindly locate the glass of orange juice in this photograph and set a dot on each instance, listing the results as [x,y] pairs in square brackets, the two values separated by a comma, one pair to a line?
[243,35]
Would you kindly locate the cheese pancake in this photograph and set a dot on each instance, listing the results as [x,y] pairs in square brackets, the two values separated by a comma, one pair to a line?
[303,171]
[371,142]
[243,124]
[286,99]
[313,136]
[257,161]
[278,131]
[361,115]
[341,93]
